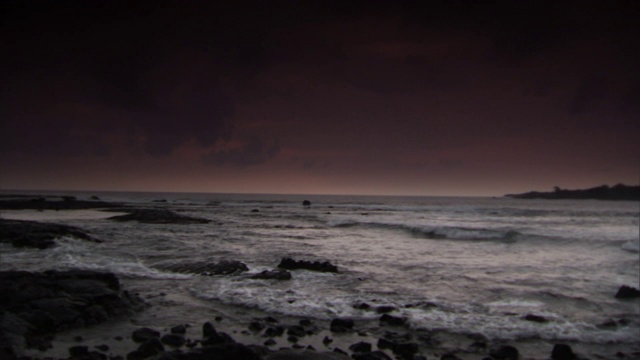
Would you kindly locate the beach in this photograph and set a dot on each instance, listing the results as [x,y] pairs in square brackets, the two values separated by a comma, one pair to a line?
[437,277]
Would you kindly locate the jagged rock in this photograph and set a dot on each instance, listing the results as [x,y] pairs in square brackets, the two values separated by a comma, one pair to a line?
[180,329]
[505,352]
[143,334]
[341,325]
[174,340]
[627,292]
[392,320]
[535,318]
[290,264]
[562,352]
[20,233]
[158,216]
[34,306]
[360,347]
[275,274]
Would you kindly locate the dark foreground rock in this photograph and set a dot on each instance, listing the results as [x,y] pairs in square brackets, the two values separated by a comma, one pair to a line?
[224,267]
[290,264]
[34,306]
[39,235]
[158,216]
[627,292]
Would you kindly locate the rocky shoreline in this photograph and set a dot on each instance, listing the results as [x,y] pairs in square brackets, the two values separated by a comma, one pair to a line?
[35,308]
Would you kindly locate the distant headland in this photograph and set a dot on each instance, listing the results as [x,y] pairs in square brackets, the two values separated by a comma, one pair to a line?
[603,192]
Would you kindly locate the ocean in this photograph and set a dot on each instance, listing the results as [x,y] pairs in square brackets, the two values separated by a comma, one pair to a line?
[460,266]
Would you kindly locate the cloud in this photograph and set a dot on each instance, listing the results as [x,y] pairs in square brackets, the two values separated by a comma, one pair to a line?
[253,151]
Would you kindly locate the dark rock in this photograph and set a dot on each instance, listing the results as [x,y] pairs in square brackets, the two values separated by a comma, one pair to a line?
[292,338]
[174,340]
[449,357]
[270,342]
[274,331]
[362,306]
[360,347]
[103,347]
[158,216]
[218,338]
[504,352]
[151,347]
[143,334]
[341,325]
[77,351]
[384,309]
[327,340]
[392,320]
[180,329]
[385,344]
[305,322]
[255,211]
[627,292]
[276,274]
[562,352]
[256,326]
[290,264]
[296,330]
[306,203]
[208,330]
[37,305]
[38,235]
[340,351]
[535,318]
[405,350]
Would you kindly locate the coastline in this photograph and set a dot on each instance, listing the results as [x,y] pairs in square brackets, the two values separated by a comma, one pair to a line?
[236,320]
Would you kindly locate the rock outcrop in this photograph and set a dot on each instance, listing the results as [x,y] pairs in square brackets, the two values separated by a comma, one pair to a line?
[290,264]
[20,233]
[34,306]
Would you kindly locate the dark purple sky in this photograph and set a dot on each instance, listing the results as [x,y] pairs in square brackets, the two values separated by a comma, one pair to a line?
[357,97]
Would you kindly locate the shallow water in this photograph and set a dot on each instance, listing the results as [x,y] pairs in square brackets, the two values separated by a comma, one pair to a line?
[459,265]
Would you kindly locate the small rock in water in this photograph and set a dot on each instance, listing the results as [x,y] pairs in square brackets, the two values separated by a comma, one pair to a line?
[143,334]
[174,340]
[180,329]
[327,340]
[341,325]
[360,347]
[385,309]
[78,351]
[269,342]
[627,292]
[562,352]
[535,318]
[306,203]
[103,347]
[505,352]
[392,320]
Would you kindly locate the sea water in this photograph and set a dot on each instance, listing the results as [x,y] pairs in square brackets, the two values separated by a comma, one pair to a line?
[472,266]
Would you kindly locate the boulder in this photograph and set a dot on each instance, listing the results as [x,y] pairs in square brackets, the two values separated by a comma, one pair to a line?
[562,352]
[38,235]
[290,264]
[360,347]
[341,325]
[627,292]
[386,319]
[143,334]
[34,306]
[504,352]
[275,274]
